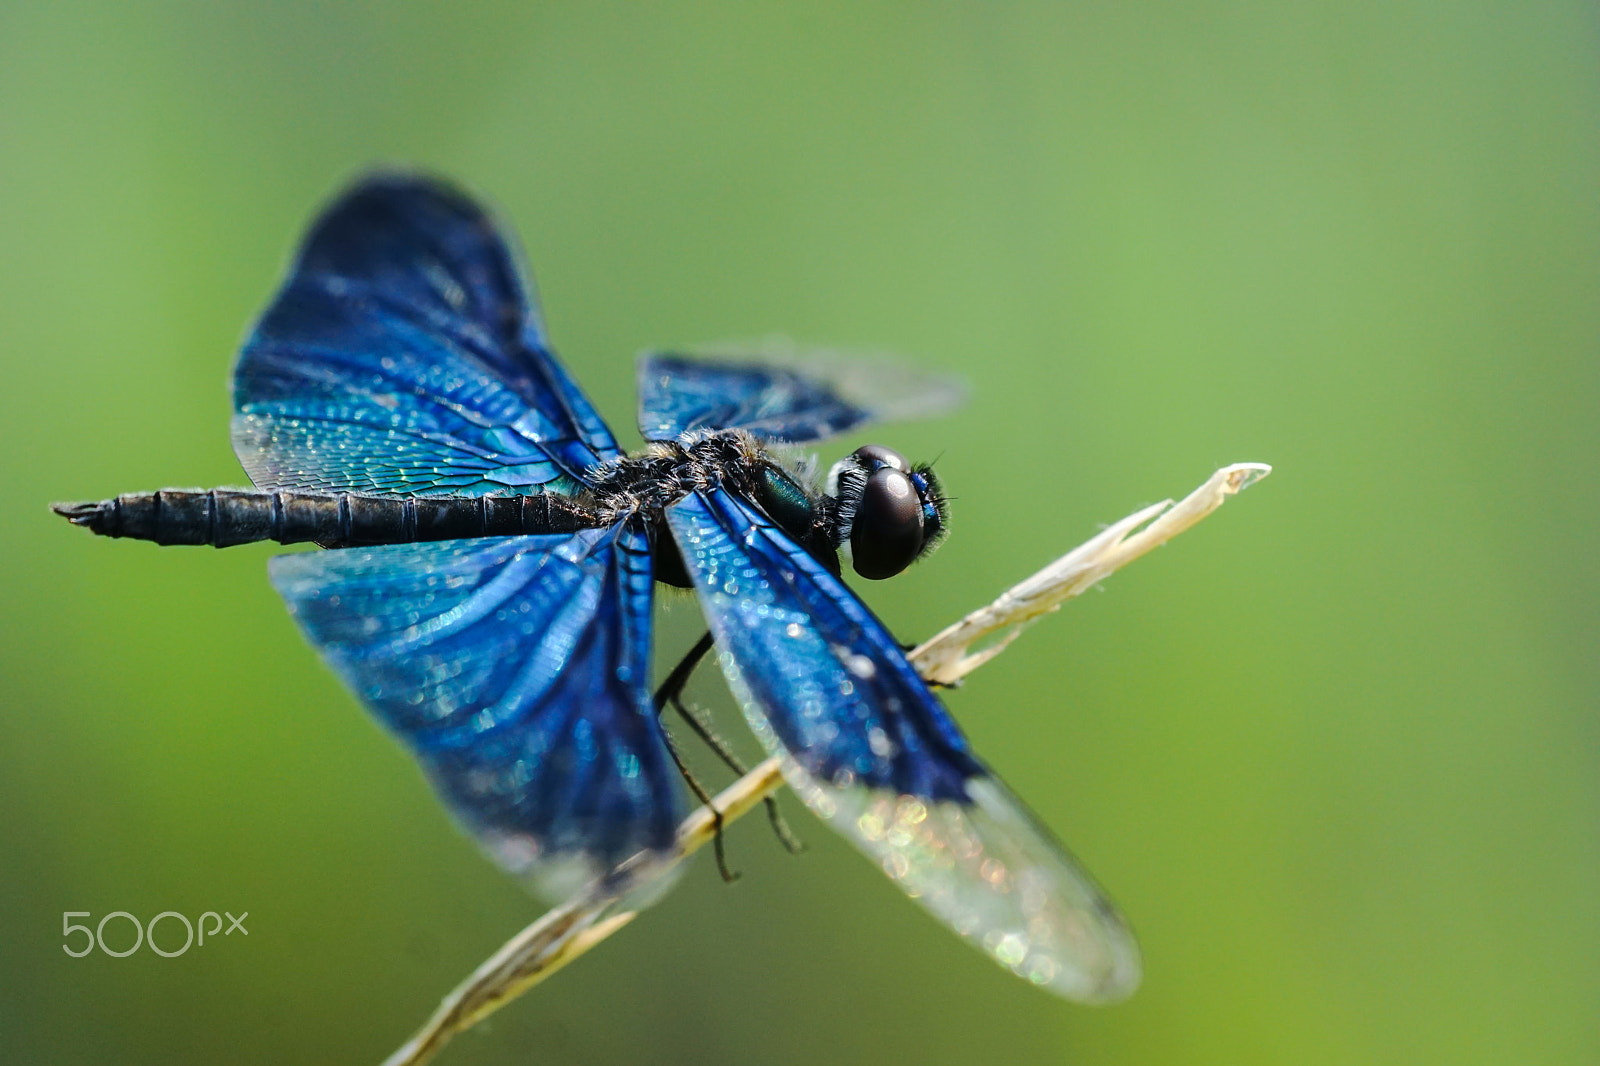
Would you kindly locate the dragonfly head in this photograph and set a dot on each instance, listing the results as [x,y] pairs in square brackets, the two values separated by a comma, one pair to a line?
[890,512]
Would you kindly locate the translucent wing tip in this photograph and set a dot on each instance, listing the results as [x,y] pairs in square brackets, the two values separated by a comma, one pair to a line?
[1070,922]
[563,875]
[888,385]
[554,877]
[988,871]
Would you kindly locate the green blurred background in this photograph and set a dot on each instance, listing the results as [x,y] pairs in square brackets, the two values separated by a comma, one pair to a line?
[1335,752]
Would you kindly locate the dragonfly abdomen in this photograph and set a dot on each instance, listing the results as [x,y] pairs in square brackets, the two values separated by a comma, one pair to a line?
[224,517]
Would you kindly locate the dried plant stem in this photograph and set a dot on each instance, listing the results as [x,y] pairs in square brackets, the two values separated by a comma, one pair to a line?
[567,931]
[947,657]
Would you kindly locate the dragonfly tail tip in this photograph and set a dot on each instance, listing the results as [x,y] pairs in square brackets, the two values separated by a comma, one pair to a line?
[81,513]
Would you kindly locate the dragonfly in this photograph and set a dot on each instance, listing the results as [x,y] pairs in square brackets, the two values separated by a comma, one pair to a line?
[491,555]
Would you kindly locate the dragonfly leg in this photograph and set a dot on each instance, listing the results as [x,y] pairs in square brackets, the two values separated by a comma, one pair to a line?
[704,797]
[671,693]
[780,827]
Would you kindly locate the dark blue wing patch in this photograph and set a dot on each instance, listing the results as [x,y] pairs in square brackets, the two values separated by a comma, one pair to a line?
[679,395]
[828,682]
[869,748]
[517,671]
[402,355]
[784,394]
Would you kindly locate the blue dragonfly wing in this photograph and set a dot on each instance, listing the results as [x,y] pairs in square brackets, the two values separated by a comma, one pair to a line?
[403,355]
[872,751]
[782,394]
[517,672]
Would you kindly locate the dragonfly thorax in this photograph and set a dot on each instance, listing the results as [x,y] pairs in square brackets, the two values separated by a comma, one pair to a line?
[642,486]
[886,511]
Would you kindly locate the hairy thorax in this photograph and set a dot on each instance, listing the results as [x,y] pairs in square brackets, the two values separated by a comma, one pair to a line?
[639,488]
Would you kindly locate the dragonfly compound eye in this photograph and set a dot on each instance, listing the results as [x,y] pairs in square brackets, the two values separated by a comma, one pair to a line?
[873,456]
[887,534]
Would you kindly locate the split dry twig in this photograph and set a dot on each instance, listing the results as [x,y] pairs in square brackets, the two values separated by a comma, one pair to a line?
[947,658]
[567,931]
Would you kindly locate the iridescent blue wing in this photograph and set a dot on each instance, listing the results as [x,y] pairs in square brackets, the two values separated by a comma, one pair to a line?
[871,750]
[782,394]
[517,671]
[402,355]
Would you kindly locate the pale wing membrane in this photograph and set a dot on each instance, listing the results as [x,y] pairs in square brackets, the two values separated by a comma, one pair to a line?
[989,871]
[870,749]
[517,671]
[782,394]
